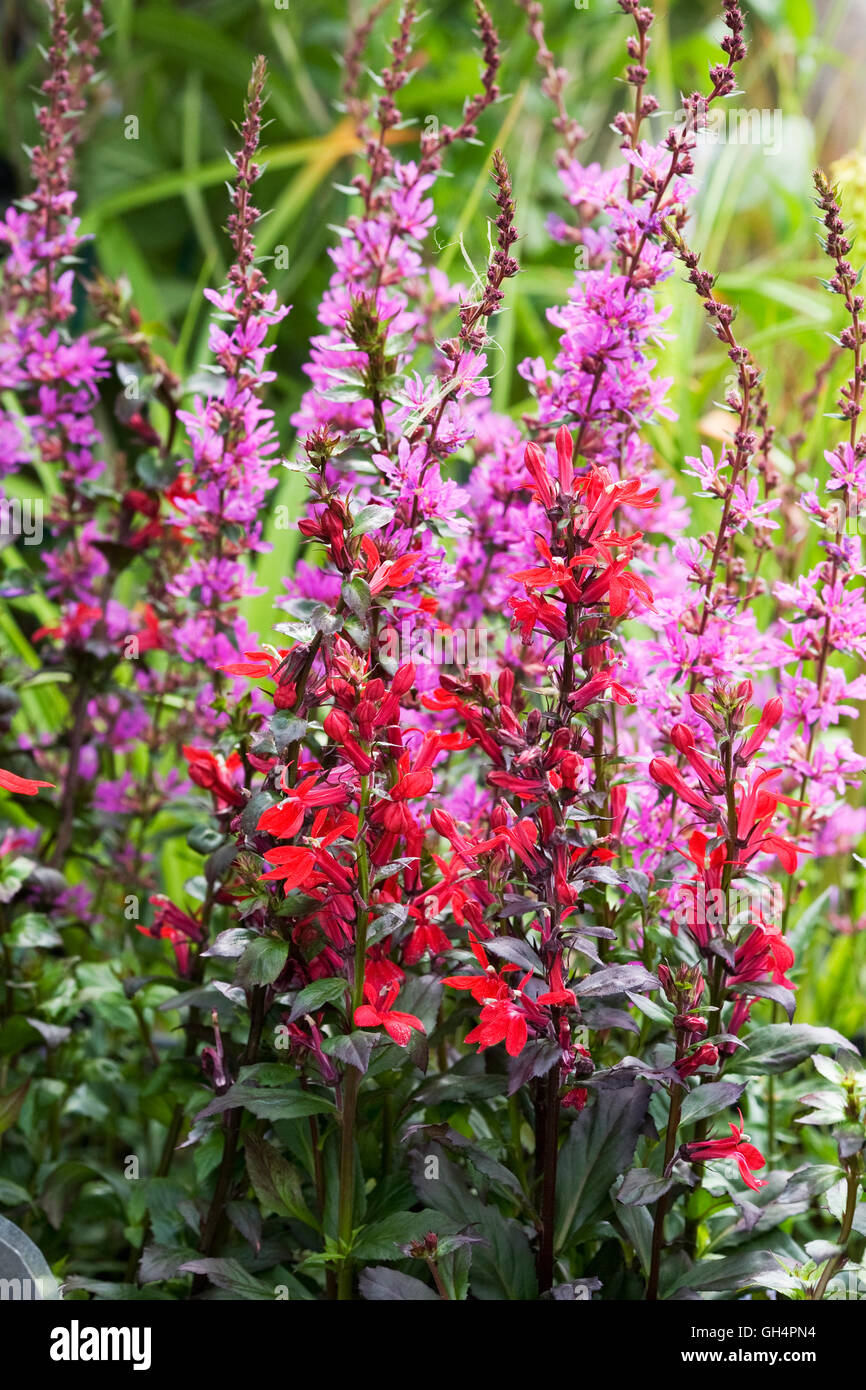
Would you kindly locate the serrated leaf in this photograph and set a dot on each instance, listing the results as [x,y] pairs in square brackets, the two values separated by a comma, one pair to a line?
[262,961]
[777,1047]
[372,518]
[356,595]
[276,1182]
[381,1240]
[352,1049]
[10,1105]
[34,932]
[230,1275]
[599,1149]
[312,997]
[380,1285]
[269,1103]
[616,979]
[709,1099]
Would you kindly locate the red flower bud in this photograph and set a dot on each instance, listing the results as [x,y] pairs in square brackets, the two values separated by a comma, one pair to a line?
[703,706]
[691,1023]
[770,716]
[707,1055]
[544,491]
[682,738]
[575,1099]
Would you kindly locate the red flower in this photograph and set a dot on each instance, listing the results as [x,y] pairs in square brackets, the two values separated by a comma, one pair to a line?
[536,464]
[764,951]
[388,574]
[534,611]
[575,1099]
[74,627]
[557,994]
[755,812]
[338,727]
[554,572]
[486,986]
[285,820]
[707,1055]
[24,786]
[564,459]
[602,496]
[502,1020]
[295,865]
[737,1147]
[617,582]
[264,663]
[171,923]
[667,775]
[214,774]
[427,936]
[595,687]
[684,741]
[378,1013]
[770,716]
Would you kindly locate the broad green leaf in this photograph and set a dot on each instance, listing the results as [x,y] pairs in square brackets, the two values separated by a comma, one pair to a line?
[599,1148]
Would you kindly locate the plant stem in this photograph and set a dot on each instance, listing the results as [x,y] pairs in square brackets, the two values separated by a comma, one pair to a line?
[652,1290]
[834,1265]
[352,1082]
[214,1220]
[66,825]
[550,1154]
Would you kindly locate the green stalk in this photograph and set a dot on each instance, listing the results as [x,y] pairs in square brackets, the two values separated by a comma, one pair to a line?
[652,1288]
[834,1265]
[550,1154]
[352,1081]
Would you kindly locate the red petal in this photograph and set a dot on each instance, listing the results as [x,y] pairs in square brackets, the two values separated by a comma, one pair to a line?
[26,786]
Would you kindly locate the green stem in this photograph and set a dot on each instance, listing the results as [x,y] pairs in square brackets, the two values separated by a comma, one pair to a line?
[834,1265]
[548,1192]
[352,1080]
[210,1239]
[652,1290]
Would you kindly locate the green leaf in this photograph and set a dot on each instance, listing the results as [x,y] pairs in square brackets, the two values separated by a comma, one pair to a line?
[372,518]
[11,1195]
[616,979]
[600,1146]
[231,1276]
[729,1272]
[13,876]
[658,1013]
[62,1188]
[381,1240]
[709,1099]
[34,931]
[802,928]
[312,997]
[352,1049]
[205,838]
[778,1047]
[269,1103]
[503,1268]
[277,1184]
[641,1186]
[10,1105]
[388,1285]
[262,961]
[356,596]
